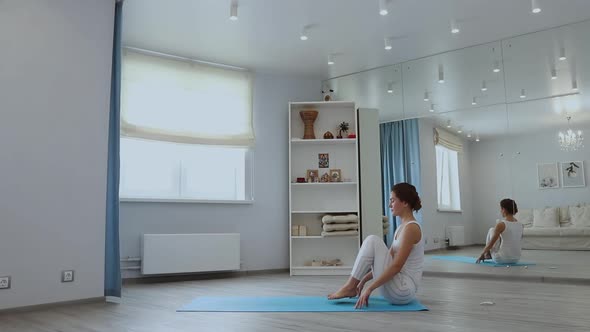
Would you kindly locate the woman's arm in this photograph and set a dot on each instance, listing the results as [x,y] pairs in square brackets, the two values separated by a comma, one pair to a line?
[500,227]
[410,236]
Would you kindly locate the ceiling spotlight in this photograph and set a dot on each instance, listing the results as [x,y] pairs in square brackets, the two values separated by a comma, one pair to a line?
[431,108]
[304,33]
[454,27]
[233,11]
[383,7]
[575,85]
[474,101]
[441,74]
[562,54]
[388,44]
[522,94]
[535,7]
[330,59]
[460,130]
[477,138]
[484,86]
[469,134]
[553,73]
[449,124]
[426,98]
[496,66]
[390,87]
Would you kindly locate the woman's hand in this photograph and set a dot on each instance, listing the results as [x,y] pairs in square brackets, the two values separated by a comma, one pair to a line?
[363,299]
[359,287]
[482,257]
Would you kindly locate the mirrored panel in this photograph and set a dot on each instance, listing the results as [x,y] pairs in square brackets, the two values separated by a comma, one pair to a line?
[379,88]
[457,80]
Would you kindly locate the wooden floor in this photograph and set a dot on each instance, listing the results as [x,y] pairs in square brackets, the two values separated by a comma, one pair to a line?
[550,266]
[454,306]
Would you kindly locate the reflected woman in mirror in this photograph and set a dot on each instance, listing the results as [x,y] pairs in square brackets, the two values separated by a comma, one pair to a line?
[503,243]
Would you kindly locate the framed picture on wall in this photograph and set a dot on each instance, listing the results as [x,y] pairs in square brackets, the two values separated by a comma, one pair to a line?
[548,176]
[572,174]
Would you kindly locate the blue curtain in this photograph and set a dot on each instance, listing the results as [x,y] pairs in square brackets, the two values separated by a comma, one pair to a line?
[400,162]
[112,273]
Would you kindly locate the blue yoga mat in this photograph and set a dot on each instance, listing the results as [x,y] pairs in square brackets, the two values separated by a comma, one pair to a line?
[472,260]
[292,304]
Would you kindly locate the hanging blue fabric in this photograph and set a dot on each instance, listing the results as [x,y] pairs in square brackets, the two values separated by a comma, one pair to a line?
[400,162]
[112,274]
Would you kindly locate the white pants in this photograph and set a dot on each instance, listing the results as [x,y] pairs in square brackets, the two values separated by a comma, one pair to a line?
[374,255]
[495,250]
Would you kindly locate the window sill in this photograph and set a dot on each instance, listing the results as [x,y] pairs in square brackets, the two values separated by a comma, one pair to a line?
[181,200]
[449,211]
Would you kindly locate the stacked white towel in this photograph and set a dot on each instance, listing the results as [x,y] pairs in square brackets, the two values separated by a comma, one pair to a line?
[341,225]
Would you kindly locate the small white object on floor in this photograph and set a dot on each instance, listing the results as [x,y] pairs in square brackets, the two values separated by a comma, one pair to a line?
[487,303]
[553,267]
[526,266]
[507,266]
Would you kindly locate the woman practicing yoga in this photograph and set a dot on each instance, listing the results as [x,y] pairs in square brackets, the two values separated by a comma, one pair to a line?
[397,271]
[503,243]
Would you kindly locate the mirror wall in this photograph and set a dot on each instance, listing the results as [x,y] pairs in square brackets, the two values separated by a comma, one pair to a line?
[505,102]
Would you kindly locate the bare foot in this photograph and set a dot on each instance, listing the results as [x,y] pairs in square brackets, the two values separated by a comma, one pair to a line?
[343,292]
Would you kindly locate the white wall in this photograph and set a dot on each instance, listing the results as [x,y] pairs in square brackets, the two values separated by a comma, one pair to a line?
[515,174]
[264,225]
[436,222]
[55,67]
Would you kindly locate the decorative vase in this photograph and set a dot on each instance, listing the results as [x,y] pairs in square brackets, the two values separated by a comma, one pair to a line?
[308,117]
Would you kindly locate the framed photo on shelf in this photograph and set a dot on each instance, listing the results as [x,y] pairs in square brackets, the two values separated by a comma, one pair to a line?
[547,176]
[312,175]
[325,177]
[323,160]
[572,174]
[335,175]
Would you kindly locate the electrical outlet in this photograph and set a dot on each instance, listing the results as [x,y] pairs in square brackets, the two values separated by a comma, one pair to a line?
[67,276]
[5,282]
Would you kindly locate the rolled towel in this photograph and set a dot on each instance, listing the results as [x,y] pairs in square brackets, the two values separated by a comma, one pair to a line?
[341,227]
[329,219]
[339,233]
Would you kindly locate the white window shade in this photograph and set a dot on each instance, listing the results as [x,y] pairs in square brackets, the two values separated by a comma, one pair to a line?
[185,102]
[448,140]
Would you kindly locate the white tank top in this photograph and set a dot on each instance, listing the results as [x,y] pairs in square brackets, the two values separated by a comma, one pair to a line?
[415,263]
[511,244]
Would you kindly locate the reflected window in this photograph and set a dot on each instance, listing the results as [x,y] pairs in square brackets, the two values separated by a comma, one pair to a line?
[447,179]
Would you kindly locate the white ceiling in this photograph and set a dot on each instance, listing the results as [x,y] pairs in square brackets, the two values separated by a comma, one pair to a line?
[265,38]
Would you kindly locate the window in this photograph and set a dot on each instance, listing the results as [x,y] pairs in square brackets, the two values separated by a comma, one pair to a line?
[448,190]
[186,130]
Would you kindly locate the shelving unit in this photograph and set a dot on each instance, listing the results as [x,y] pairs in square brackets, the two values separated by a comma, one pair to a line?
[309,202]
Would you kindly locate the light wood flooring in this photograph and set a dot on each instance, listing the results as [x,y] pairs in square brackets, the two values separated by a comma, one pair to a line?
[454,306]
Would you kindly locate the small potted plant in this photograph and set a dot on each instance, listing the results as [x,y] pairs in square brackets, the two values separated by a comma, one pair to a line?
[342,128]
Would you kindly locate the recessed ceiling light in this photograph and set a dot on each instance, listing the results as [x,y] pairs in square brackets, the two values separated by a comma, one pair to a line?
[383,7]
[454,27]
[233,11]
[484,86]
[469,134]
[449,124]
[522,94]
[387,43]
[496,68]
[535,7]
[477,138]
[330,59]
[562,54]
[459,131]
[431,108]
[441,74]
[304,33]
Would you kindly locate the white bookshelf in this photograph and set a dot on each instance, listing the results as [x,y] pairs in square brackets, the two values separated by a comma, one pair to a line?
[309,202]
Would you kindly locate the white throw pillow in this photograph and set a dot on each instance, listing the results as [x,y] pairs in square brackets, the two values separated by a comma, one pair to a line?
[580,216]
[548,217]
[525,216]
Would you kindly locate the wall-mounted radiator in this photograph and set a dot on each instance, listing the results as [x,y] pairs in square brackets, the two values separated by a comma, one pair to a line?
[186,253]
[456,235]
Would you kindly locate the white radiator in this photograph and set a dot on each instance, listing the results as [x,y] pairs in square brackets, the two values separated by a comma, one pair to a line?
[456,235]
[185,253]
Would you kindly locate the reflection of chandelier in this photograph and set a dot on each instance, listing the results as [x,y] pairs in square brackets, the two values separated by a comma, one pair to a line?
[571,140]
